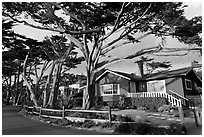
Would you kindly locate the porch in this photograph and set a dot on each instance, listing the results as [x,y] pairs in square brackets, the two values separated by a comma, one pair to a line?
[173,98]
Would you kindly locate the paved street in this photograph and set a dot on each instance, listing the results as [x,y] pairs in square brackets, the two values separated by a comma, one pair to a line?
[15,124]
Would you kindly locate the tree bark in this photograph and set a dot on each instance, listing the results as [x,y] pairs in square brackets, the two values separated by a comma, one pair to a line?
[32,94]
[55,87]
[9,91]
[47,85]
[89,93]
[17,86]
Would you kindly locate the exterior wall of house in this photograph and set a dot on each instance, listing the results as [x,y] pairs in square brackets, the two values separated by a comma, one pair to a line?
[109,78]
[132,87]
[194,83]
[174,84]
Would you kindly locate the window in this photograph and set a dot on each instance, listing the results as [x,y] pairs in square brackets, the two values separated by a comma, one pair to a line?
[188,84]
[109,89]
[156,86]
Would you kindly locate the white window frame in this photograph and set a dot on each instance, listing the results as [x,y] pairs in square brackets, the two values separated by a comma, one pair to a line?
[111,90]
[163,81]
[187,80]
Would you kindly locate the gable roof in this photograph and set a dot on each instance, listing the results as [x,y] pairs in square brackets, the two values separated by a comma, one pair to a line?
[153,76]
[127,76]
[168,74]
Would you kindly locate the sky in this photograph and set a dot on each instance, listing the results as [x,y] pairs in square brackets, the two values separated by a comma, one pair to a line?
[193,9]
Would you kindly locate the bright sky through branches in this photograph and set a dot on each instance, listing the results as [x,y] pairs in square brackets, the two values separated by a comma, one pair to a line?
[193,9]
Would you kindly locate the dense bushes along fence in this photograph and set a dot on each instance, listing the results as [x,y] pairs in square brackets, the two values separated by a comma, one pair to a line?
[150,103]
[86,114]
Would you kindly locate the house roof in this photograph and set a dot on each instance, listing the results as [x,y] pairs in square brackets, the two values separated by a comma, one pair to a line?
[153,76]
[168,74]
[127,76]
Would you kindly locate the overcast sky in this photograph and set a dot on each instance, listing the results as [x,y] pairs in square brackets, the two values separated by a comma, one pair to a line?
[193,9]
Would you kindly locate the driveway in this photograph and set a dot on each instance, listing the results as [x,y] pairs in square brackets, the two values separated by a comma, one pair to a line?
[15,124]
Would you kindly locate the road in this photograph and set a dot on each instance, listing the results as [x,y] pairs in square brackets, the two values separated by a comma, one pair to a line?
[15,124]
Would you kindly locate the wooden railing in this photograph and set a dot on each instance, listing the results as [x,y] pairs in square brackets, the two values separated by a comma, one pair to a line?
[176,95]
[174,101]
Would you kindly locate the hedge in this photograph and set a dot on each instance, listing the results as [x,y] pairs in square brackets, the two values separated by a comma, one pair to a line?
[151,103]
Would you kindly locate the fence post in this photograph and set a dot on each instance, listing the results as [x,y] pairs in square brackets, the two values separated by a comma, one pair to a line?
[63,112]
[109,114]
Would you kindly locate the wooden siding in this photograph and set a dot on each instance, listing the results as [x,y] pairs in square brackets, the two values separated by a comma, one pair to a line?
[110,78]
[174,84]
[132,87]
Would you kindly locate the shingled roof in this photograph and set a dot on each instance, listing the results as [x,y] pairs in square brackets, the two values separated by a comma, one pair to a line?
[128,76]
[168,74]
[153,76]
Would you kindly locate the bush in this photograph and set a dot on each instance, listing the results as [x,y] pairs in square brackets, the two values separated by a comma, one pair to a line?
[124,118]
[88,124]
[64,122]
[177,129]
[147,129]
[164,108]
[123,129]
[149,103]
[98,101]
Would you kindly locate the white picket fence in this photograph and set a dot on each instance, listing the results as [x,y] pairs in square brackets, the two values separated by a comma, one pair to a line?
[173,100]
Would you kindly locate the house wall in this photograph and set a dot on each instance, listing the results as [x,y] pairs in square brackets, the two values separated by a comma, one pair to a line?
[110,78]
[175,84]
[132,87]
[193,92]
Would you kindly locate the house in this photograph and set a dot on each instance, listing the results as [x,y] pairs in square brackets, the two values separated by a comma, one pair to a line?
[178,86]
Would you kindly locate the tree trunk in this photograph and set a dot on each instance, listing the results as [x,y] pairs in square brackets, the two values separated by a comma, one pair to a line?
[47,85]
[89,93]
[9,92]
[21,92]
[17,86]
[55,87]
[32,94]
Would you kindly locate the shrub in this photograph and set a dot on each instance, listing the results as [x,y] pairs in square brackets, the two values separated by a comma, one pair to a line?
[98,101]
[64,122]
[177,129]
[88,124]
[141,128]
[123,129]
[77,124]
[150,103]
[164,108]
[124,118]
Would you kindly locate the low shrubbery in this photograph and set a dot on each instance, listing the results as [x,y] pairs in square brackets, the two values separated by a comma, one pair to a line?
[148,129]
[91,115]
[150,103]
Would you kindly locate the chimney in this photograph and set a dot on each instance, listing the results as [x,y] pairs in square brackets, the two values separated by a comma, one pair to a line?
[140,64]
[141,69]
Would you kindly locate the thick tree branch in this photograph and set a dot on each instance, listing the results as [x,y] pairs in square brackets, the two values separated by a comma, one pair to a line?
[171,54]
[150,50]
[122,36]
[105,51]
